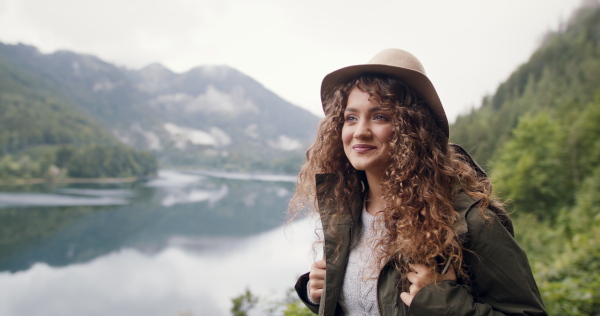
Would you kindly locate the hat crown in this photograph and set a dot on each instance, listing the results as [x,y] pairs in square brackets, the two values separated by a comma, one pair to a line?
[398,58]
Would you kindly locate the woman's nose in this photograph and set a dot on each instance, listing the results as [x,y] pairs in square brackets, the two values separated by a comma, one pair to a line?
[363,130]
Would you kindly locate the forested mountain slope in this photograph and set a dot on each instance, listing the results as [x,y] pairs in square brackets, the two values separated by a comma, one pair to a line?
[539,136]
[563,75]
[44,135]
[35,112]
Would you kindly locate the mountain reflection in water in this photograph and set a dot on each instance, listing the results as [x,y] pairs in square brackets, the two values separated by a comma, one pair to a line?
[183,243]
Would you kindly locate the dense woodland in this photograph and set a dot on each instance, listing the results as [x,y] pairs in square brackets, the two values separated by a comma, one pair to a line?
[539,138]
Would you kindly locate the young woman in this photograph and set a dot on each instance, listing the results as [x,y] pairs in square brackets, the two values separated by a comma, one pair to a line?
[408,224]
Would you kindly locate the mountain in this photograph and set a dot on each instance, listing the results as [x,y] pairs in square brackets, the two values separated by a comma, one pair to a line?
[42,135]
[209,116]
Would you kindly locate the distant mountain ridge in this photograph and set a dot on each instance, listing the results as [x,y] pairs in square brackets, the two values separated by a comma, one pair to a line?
[210,116]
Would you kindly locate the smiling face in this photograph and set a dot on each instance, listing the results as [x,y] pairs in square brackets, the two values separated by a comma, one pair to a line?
[366,133]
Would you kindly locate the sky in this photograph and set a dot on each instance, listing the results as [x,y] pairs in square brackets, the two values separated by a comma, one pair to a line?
[468,47]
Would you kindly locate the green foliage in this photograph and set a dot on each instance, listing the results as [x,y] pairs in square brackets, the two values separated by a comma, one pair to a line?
[567,261]
[570,284]
[290,305]
[9,168]
[583,141]
[96,161]
[243,303]
[101,161]
[297,309]
[533,167]
[540,168]
[27,120]
[550,170]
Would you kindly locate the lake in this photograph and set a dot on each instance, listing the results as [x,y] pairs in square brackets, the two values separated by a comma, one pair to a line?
[182,244]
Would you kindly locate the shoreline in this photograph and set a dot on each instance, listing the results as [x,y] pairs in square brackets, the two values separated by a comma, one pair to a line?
[244,175]
[76,180]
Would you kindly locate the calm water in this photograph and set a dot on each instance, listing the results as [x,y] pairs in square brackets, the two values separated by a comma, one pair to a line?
[182,244]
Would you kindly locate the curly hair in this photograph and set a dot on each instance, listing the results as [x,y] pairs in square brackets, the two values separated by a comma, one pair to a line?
[424,177]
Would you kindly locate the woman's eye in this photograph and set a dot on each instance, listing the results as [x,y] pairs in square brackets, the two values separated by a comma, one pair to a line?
[380,117]
[350,118]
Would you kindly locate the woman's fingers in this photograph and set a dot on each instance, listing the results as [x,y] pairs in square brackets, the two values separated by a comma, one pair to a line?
[320,264]
[316,280]
[412,277]
[406,298]
[419,268]
[422,276]
[315,295]
[317,271]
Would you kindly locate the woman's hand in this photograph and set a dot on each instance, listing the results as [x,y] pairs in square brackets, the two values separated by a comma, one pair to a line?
[422,276]
[316,281]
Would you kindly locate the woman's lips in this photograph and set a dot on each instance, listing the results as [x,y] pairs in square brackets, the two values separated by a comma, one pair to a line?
[363,148]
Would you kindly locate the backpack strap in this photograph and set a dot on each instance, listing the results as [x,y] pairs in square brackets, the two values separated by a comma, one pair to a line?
[463,203]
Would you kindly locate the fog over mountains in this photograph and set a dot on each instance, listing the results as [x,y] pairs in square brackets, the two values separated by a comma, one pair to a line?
[210,116]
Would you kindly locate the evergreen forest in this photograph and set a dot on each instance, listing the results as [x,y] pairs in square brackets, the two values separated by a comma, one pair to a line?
[538,137]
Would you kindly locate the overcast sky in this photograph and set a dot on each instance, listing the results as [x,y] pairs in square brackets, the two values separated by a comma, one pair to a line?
[467,46]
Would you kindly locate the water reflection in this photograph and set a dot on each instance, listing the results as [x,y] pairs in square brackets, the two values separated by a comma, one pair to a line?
[183,242]
[196,195]
[170,282]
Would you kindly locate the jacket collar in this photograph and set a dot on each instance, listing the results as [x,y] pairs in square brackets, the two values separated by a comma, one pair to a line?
[325,183]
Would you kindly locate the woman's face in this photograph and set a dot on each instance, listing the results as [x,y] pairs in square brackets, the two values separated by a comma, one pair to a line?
[366,133]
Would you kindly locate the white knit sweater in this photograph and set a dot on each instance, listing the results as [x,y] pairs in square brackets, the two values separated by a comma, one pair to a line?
[359,291]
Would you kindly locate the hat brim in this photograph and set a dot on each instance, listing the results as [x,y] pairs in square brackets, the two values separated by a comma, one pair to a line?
[417,81]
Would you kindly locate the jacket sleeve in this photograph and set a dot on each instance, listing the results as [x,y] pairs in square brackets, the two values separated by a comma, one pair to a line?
[501,279]
[302,291]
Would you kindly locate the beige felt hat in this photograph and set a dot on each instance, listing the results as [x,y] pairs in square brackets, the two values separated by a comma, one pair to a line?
[397,63]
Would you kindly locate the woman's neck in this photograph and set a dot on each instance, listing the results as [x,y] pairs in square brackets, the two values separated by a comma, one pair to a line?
[374,203]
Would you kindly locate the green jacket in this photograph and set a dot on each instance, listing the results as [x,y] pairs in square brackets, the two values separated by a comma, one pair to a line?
[501,279]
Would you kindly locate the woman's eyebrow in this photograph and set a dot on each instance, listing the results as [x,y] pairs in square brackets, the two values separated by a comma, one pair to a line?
[373,109]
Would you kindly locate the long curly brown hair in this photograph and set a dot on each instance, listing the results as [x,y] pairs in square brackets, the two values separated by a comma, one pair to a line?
[425,175]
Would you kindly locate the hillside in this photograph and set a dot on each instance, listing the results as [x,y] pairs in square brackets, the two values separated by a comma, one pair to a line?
[563,72]
[42,136]
[34,112]
[538,136]
[209,117]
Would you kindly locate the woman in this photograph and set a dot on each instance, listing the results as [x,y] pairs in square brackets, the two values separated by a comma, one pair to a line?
[409,227]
